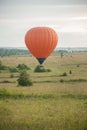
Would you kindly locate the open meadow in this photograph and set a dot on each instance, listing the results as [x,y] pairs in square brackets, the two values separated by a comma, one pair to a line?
[57,100]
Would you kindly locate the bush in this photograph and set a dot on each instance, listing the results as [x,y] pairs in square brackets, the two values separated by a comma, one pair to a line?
[13,69]
[24,79]
[11,76]
[48,70]
[2,67]
[61,80]
[78,65]
[5,81]
[23,67]
[40,68]
[64,74]
[70,72]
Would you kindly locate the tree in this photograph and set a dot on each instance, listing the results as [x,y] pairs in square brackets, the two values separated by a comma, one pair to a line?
[61,54]
[24,79]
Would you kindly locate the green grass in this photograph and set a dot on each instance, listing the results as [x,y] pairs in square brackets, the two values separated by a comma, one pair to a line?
[49,104]
[43,114]
[5,94]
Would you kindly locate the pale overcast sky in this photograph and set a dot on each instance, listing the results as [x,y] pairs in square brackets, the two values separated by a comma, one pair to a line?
[67,17]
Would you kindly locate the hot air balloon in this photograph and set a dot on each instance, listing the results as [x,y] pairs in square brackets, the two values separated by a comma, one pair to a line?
[41,41]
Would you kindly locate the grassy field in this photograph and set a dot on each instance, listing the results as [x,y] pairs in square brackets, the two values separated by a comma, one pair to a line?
[54,102]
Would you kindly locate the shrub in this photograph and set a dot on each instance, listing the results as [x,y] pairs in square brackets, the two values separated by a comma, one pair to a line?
[48,70]
[40,68]
[5,81]
[61,80]
[22,66]
[70,72]
[2,67]
[78,65]
[64,74]
[24,79]
[13,69]
[11,76]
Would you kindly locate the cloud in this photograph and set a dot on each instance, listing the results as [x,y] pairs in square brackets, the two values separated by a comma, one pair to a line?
[72,39]
[44,2]
[67,20]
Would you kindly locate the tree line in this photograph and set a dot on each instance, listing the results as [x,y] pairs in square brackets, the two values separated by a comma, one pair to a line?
[13,51]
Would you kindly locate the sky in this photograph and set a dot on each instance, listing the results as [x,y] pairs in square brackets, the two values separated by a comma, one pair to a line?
[67,17]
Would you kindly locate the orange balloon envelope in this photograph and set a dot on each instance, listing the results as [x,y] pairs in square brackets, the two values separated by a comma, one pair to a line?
[41,41]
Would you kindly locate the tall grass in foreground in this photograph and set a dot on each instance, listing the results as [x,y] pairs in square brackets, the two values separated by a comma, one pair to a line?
[43,114]
[20,111]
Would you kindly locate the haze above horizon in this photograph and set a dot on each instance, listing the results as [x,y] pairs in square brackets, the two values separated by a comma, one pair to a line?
[68,18]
